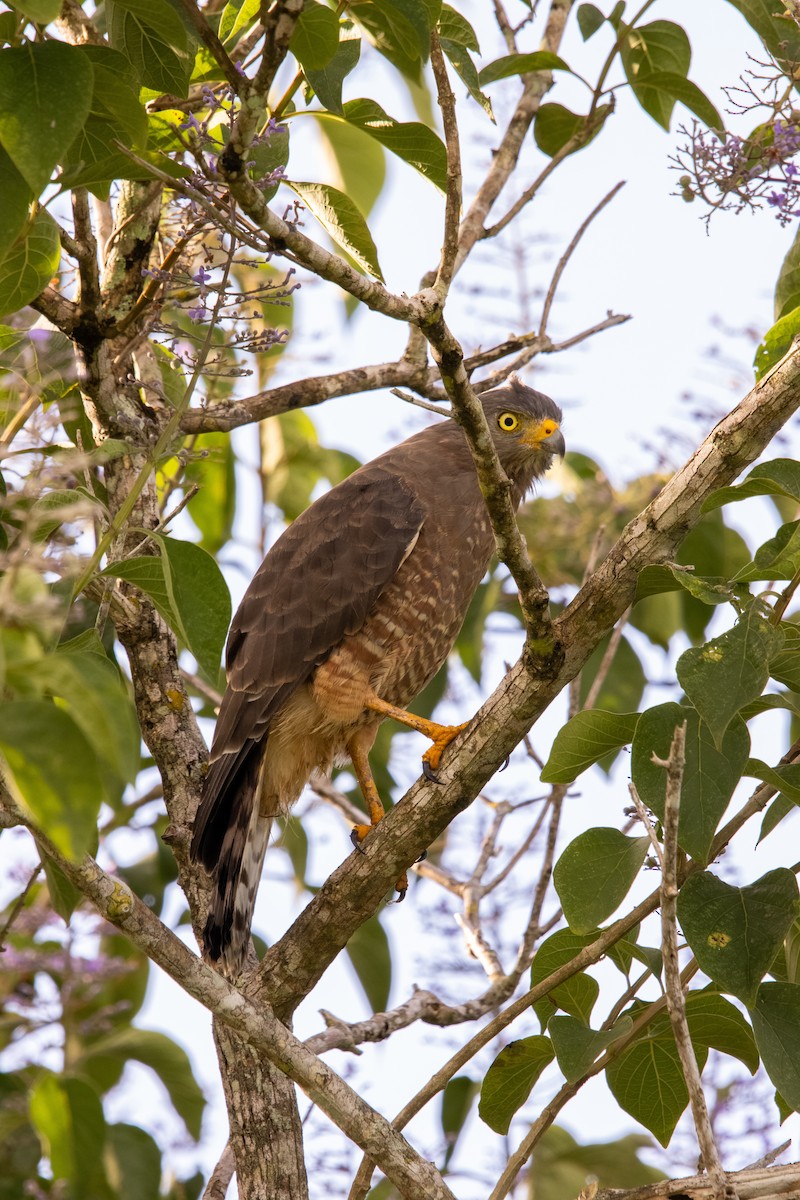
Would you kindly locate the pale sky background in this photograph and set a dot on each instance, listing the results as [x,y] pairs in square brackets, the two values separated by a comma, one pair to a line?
[649,255]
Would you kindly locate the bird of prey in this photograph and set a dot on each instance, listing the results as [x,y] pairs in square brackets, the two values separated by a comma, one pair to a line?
[350,615]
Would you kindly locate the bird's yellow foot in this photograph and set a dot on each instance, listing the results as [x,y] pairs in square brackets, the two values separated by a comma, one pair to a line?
[441,736]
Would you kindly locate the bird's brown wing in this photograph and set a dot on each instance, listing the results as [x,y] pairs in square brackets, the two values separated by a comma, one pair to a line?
[317,584]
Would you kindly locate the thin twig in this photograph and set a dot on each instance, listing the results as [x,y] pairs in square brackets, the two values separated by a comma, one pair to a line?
[220,1178]
[18,905]
[452,210]
[676,1005]
[644,817]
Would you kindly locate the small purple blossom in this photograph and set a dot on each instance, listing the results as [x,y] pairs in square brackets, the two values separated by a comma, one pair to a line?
[191,125]
[197,314]
[777,199]
[202,277]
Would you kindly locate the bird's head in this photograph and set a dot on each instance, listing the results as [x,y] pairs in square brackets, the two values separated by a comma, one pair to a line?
[525,426]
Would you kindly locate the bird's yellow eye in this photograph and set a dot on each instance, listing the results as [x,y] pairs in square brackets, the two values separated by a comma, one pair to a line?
[508,422]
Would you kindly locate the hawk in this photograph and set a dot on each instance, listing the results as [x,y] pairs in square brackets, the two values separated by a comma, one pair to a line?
[351,614]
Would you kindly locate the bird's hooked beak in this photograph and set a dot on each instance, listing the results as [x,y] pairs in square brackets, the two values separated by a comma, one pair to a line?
[555,443]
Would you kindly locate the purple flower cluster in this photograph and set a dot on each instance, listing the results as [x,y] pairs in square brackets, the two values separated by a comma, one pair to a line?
[746,172]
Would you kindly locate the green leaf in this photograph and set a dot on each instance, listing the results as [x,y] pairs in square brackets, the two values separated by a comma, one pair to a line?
[327,81]
[412,141]
[595,873]
[68,1116]
[716,1024]
[779,35]
[116,116]
[510,1078]
[212,508]
[53,768]
[735,933]
[316,36]
[358,161]
[647,1082]
[785,666]
[151,35]
[784,778]
[787,289]
[342,221]
[162,1055]
[40,11]
[578,995]
[30,264]
[369,953]
[589,20]
[577,1046]
[560,1166]
[672,86]
[468,73]
[776,342]
[776,1025]
[556,125]
[661,46]
[457,1100]
[584,739]
[64,896]
[133,1157]
[624,683]
[45,95]
[710,774]
[15,199]
[399,29]
[237,17]
[456,28]
[522,64]
[188,589]
[780,477]
[729,671]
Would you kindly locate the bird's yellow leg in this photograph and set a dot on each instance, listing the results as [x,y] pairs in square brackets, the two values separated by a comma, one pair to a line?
[440,735]
[357,748]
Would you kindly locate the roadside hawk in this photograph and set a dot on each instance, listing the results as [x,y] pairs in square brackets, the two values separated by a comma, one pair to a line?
[352,612]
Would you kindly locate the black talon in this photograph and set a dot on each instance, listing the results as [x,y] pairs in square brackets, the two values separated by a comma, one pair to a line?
[423,856]
[355,840]
[429,773]
[505,764]
[401,895]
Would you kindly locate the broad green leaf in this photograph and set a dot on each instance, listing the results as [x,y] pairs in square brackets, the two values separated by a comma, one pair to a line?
[716,1024]
[369,953]
[15,200]
[457,1101]
[716,552]
[647,49]
[556,125]
[779,35]
[710,774]
[777,811]
[45,95]
[327,81]
[412,141]
[587,737]
[729,671]
[133,1162]
[594,875]
[54,769]
[64,896]
[624,683]
[560,1165]
[785,666]
[578,995]
[776,342]
[656,580]
[785,778]
[522,64]
[468,73]
[776,1025]
[671,85]
[781,477]
[68,1117]
[164,1056]
[577,1046]
[647,1082]
[510,1078]
[357,163]
[116,116]
[237,17]
[40,11]
[735,933]
[456,28]
[342,221]
[151,35]
[589,20]
[188,589]
[316,36]
[399,29]
[212,508]
[787,289]
[30,264]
